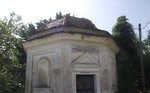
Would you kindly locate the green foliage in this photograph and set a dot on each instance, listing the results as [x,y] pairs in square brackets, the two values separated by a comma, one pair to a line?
[124,34]
[32,29]
[41,23]
[7,81]
[9,30]
[11,71]
[147,44]
[12,54]
[59,15]
[127,58]
[146,60]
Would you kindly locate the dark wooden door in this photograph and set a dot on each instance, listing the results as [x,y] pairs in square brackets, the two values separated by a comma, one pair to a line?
[85,83]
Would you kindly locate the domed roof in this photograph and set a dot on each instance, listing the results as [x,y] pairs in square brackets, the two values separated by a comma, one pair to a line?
[63,24]
[70,21]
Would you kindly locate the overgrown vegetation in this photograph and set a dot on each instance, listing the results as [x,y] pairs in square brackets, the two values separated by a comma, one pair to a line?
[13,56]
[128,62]
[146,59]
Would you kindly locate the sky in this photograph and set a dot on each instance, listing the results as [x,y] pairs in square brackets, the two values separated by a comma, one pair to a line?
[103,13]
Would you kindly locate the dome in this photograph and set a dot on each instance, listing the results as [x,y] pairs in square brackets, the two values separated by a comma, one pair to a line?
[61,25]
[71,21]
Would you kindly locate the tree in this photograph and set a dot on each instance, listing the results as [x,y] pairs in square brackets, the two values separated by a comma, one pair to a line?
[11,68]
[147,44]
[59,15]
[127,58]
[12,54]
[41,23]
[32,29]
[146,60]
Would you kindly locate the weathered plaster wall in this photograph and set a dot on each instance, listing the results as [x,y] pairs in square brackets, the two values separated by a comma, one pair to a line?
[68,55]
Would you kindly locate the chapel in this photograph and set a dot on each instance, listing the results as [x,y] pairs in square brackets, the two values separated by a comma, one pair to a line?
[70,55]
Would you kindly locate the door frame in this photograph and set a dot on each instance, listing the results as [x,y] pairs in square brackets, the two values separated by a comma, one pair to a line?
[86,71]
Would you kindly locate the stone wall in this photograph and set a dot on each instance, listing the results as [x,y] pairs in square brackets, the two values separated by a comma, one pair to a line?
[54,61]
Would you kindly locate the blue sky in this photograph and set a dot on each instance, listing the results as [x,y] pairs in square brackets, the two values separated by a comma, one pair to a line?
[103,13]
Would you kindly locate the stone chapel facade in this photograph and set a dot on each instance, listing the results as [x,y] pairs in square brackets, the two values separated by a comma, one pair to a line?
[70,55]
